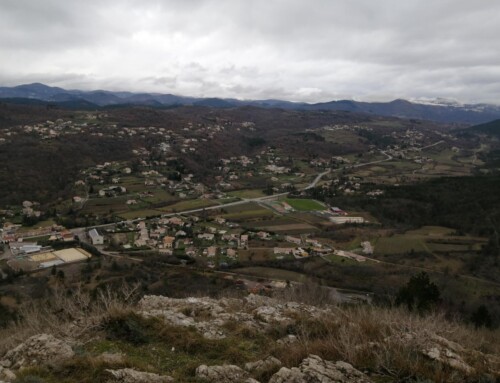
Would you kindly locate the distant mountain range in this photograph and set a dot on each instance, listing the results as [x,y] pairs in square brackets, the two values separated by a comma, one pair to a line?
[435,110]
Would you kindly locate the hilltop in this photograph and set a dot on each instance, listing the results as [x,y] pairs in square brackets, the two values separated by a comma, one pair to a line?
[244,339]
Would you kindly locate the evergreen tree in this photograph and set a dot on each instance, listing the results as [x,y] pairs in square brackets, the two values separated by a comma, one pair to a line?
[482,317]
[419,293]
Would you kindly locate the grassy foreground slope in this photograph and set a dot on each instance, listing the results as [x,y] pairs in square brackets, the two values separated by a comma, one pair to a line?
[174,336]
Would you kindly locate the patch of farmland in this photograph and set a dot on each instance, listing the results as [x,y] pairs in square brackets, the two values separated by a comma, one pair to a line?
[304,204]
[293,227]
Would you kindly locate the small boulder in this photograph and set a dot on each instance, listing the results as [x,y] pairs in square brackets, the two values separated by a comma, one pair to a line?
[287,375]
[287,340]
[38,350]
[223,374]
[129,375]
[7,375]
[263,365]
[448,357]
[313,369]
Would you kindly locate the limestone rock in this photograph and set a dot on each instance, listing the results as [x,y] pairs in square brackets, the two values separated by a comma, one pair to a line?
[38,350]
[7,375]
[271,314]
[263,365]
[223,374]
[209,316]
[322,371]
[448,357]
[313,369]
[286,375]
[438,349]
[287,340]
[129,375]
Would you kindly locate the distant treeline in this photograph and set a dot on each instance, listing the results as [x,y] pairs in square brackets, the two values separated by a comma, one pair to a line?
[468,204]
[43,170]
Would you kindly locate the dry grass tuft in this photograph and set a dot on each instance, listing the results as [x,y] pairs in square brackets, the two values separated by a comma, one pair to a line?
[388,342]
[67,316]
[384,342]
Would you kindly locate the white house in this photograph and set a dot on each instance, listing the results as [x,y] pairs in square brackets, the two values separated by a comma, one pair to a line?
[95,237]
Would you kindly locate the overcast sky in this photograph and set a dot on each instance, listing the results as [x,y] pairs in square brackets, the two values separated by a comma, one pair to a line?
[301,50]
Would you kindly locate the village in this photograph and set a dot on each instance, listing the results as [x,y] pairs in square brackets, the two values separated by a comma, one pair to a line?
[259,206]
[214,241]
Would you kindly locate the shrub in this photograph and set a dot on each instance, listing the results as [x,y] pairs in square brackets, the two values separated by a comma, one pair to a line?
[128,327]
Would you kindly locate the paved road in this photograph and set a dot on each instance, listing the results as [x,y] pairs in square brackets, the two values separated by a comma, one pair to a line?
[317,179]
[431,145]
[388,158]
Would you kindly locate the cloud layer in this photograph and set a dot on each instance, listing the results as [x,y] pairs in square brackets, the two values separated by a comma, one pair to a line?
[289,49]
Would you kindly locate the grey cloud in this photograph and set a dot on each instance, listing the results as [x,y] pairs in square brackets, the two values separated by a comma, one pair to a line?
[293,49]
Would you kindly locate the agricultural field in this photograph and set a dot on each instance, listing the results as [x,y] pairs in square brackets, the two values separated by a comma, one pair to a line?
[133,184]
[41,224]
[286,227]
[272,273]
[431,247]
[256,254]
[159,196]
[310,218]
[188,205]
[106,205]
[247,193]
[246,212]
[293,227]
[304,204]
[141,213]
[344,137]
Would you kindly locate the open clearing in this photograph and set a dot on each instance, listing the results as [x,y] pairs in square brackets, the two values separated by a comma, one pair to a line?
[246,211]
[426,239]
[304,204]
[140,213]
[188,205]
[106,205]
[432,247]
[292,226]
[271,273]
[248,214]
[247,193]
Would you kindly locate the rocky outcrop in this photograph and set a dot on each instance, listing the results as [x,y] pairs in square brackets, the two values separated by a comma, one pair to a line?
[316,370]
[437,348]
[37,350]
[216,318]
[209,316]
[223,374]
[446,352]
[129,375]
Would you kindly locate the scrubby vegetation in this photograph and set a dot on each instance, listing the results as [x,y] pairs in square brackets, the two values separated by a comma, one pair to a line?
[388,344]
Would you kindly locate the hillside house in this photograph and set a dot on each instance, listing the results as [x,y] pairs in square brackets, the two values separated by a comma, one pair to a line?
[168,242]
[211,251]
[95,237]
[294,240]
